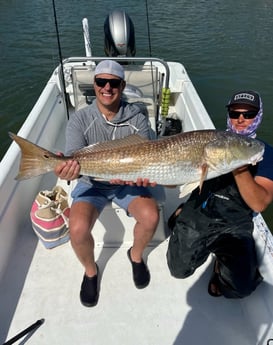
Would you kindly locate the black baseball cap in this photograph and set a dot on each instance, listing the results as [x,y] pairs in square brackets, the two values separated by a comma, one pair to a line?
[245,97]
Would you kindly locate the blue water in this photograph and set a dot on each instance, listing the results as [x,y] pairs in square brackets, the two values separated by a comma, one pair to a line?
[224,45]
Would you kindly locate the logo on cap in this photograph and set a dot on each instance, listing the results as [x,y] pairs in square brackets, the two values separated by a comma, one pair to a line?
[244,96]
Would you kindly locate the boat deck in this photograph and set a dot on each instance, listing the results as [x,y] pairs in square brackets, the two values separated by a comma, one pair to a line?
[37,283]
[169,311]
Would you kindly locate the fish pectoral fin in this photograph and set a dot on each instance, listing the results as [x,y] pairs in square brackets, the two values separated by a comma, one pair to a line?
[189,187]
[133,139]
[204,173]
[186,189]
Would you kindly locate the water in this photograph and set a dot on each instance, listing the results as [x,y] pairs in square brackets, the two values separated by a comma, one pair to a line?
[224,45]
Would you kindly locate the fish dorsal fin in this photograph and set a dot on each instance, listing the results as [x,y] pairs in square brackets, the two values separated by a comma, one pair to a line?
[133,139]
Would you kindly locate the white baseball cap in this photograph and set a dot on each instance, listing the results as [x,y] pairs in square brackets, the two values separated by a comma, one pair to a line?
[110,67]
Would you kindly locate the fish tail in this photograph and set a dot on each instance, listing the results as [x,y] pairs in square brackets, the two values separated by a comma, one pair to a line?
[34,159]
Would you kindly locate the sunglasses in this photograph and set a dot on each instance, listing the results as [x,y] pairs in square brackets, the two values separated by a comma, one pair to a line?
[114,83]
[250,114]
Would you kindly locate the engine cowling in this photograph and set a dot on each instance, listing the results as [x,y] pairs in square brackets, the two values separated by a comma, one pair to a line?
[119,35]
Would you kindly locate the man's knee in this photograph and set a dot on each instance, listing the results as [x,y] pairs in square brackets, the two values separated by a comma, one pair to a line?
[145,210]
[78,233]
[151,215]
[80,230]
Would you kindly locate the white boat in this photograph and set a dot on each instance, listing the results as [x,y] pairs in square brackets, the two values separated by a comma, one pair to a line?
[41,284]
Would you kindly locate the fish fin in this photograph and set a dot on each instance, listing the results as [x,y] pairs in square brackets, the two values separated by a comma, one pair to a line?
[204,173]
[186,189]
[33,158]
[133,139]
[189,187]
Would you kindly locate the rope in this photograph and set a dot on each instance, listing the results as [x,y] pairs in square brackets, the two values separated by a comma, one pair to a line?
[54,203]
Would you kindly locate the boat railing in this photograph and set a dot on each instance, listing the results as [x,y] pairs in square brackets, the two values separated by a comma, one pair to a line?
[144,85]
[123,60]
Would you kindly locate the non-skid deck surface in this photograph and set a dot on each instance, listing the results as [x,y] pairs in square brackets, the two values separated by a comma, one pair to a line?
[168,311]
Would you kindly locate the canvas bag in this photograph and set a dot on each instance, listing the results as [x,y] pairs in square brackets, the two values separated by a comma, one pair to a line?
[50,217]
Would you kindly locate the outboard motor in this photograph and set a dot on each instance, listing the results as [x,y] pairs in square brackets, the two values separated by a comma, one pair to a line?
[119,35]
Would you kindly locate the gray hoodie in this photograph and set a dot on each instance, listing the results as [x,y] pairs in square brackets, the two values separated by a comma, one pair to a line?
[88,126]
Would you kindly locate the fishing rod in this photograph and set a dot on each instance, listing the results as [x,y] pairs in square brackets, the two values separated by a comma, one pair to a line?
[164,92]
[148,28]
[158,101]
[32,328]
[60,59]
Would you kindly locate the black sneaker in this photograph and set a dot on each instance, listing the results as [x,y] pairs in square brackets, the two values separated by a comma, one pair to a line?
[89,290]
[141,274]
